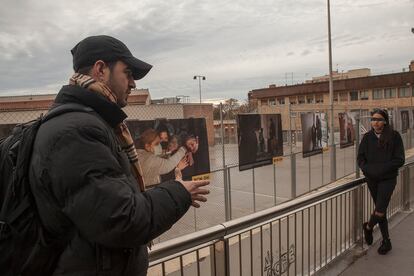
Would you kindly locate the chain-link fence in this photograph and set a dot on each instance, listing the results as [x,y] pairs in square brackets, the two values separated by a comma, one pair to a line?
[236,193]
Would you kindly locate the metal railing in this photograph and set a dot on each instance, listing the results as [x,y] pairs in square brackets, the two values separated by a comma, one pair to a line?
[298,237]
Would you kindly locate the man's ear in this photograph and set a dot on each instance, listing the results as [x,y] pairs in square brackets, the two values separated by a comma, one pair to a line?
[99,70]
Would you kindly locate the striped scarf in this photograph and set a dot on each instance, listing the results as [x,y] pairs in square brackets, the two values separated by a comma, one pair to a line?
[121,130]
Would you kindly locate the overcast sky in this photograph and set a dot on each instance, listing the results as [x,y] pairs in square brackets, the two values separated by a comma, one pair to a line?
[238,45]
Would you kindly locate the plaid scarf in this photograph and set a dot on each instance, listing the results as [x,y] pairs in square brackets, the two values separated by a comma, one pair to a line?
[121,130]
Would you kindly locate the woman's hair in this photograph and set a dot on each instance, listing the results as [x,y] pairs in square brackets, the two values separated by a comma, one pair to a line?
[147,137]
[386,137]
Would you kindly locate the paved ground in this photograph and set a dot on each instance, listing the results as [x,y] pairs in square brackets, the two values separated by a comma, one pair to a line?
[399,262]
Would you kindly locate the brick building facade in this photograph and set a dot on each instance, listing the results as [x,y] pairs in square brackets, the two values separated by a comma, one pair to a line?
[19,109]
[351,93]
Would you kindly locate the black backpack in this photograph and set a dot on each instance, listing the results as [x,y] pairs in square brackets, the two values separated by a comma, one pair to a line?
[25,246]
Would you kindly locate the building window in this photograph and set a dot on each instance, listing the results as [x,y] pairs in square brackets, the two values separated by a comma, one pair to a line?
[335,99]
[319,98]
[363,95]
[377,94]
[310,99]
[301,99]
[272,102]
[353,95]
[389,93]
[404,92]
[264,102]
[292,100]
[343,97]
[281,100]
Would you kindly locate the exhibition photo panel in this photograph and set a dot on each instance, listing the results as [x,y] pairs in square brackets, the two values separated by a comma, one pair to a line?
[260,138]
[190,133]
[346,129]
[314,133]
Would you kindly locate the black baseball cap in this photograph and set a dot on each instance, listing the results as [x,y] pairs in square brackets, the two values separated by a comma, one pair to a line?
[108,49]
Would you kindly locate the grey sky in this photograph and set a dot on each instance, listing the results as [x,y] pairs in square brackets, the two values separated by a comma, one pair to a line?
[238,45]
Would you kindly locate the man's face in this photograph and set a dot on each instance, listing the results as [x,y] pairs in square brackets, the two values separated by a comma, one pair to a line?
[121,82]
[192,145]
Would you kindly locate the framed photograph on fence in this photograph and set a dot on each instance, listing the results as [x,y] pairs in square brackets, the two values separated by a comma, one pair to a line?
[314,133]
[346,129]
[259,139]
[175,133]
[405,120]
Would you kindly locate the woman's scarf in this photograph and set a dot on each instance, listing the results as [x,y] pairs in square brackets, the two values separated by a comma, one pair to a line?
[121,130]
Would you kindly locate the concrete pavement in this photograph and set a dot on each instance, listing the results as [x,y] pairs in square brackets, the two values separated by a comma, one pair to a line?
[399,261]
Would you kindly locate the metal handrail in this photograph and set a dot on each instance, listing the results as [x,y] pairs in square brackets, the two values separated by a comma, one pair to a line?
[170,249]
[190,241]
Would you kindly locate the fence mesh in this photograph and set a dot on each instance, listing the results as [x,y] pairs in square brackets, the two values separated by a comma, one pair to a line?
[255,189]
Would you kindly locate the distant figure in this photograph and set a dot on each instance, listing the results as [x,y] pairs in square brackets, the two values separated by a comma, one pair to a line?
[349,131]
[313,136]
[272,142]
[318,132]
[261,141]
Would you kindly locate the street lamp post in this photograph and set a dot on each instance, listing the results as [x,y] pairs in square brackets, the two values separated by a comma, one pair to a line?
[199,83]
[332,154]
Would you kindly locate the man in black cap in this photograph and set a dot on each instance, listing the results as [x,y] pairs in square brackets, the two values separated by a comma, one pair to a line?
[85,175]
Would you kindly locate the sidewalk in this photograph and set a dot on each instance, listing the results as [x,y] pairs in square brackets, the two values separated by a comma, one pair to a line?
[399,261]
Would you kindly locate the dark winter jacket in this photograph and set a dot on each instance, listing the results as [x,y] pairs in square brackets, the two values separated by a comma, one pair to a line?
[380,163]
[85,191]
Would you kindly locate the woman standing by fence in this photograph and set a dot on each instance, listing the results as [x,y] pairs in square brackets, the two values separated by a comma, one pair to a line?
[381,154]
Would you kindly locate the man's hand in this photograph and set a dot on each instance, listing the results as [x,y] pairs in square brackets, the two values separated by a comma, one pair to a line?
[196,191]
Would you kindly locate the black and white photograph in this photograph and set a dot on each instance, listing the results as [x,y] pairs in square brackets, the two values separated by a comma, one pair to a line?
[346,129]
[405,120]
[168,149]
[412,121]
[314,133]
[259,139]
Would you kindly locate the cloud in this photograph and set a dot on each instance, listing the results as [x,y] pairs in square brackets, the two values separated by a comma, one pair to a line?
[238,45]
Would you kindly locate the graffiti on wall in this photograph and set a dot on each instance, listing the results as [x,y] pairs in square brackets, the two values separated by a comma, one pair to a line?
[275,266]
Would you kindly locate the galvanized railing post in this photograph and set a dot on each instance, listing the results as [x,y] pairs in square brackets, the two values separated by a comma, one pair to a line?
[293,174]
[227,190]
[254,191]
[357,203]
[292,156]
[221,258]
[361,207]
[357,172]
[274,183]
[406,189]
[229,193]
[226,194]
[332,150]
[310,173]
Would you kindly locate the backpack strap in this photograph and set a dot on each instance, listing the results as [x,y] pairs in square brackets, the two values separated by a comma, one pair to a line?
[65,108]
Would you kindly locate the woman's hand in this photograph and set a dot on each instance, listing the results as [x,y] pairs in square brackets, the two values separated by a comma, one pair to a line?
[183,163]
